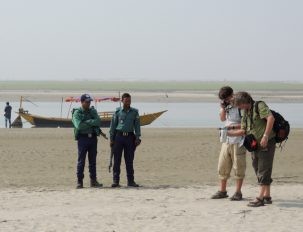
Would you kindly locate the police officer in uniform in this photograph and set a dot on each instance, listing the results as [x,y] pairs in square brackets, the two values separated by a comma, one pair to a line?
[87,124]
[125,135]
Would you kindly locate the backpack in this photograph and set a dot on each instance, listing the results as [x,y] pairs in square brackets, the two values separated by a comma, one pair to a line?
[281,127]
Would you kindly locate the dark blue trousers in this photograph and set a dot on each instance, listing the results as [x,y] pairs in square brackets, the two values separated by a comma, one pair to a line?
[126,144]
[87,146]
[8,120]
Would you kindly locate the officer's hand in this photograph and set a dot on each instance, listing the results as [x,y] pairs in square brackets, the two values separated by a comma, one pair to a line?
[111,144]
[137,142]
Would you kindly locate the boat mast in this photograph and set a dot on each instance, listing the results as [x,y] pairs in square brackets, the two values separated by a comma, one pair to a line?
[69,108]
[61,107]
[21,99]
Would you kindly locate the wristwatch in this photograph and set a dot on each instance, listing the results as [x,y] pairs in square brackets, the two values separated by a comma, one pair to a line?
[265,136]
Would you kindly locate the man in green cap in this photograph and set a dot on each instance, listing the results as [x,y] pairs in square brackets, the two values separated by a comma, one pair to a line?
[86,127]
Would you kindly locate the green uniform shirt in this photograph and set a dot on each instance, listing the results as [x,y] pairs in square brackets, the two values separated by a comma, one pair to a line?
[255,123]
[125,121]
[86,121]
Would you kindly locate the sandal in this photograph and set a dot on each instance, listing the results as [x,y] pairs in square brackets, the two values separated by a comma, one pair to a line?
[236,197]
[219,195]
[257,203]
[267,200]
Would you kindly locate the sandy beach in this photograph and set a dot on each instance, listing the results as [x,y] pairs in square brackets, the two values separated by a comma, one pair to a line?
[147,209]
[176,167]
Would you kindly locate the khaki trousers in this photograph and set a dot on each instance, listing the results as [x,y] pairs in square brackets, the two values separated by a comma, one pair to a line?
[232,157]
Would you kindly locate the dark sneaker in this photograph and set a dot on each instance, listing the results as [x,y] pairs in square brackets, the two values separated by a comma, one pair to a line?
[133,184]
[219,195]
[236,197]
[116,185]
[79,184]
[95,184]
[257,203]
[267,200]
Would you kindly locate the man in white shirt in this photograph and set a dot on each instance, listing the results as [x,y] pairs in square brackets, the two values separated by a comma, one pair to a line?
[233,154]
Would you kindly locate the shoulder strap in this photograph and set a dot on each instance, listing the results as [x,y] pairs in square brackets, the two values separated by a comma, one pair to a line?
[91,109]
[257,106]
[74,110]
[239,111]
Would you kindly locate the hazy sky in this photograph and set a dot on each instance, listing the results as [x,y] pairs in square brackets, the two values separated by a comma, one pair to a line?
[151,39]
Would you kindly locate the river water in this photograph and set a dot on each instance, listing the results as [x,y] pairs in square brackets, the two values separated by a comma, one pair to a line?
[187,115]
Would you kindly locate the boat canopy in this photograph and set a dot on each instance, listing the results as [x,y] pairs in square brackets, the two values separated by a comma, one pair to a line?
[114,99]
[96,99]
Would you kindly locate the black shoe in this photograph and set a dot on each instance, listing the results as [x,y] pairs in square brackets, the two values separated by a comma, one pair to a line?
[267,200]
[116,185]
[256,203]
[133,184]
[236,197]
[95,184]
[219,195]
[79,184]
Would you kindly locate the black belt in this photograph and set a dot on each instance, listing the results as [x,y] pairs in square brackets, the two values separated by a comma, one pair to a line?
[121,133]
[91,135]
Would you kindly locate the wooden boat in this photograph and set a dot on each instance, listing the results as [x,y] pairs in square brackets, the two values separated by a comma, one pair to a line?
[40,121]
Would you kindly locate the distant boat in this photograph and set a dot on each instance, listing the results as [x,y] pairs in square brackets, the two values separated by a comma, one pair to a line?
[40,121]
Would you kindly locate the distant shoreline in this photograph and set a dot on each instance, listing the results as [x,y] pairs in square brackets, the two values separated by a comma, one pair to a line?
[149,96]
[174,91]
[159,86]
